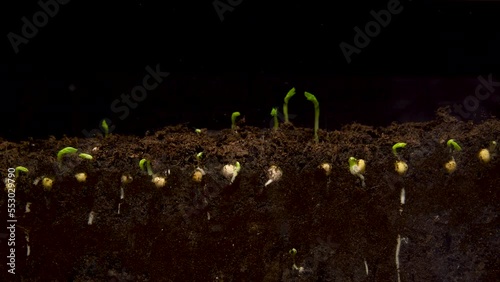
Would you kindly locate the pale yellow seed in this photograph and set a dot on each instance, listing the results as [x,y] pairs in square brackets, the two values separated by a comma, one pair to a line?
[451,166]
[126,179]
[81,177]
[484,155]
[159,181]
[327,168]
[401,167]
[361,166]
[47,183]
[197,176]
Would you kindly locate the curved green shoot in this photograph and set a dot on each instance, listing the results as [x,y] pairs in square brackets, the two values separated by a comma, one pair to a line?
[105,127]
[85,156]
[20,168]
[199,156]
[237,167]
[454,145]
[352,162]
[285,105]
[65,151]
[146,165]
[397,146]
[315,102]
[274,113]
[197,130]
[233,119]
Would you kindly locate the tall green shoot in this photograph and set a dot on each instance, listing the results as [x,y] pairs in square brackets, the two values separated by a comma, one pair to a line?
[285,105]
[315,102]
[233,120]
[274,113]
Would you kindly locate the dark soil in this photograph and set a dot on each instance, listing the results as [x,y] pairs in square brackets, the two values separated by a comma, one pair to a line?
[214,231]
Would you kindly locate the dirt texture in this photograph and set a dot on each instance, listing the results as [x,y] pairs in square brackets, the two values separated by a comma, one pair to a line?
[215,230]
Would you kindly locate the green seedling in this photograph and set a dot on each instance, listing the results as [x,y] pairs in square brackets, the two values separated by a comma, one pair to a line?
[315,102]
[451,165]
[199,156]
[293,253]
[396,147]
[453,145]
[285,105]
[357,168]
[105,127]
[20,168]
[146,165]
[274,114]
[197,130]
[233,119]
[400,166]
[65,151]
[85,156]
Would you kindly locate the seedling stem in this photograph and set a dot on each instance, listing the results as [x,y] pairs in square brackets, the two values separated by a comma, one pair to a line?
[147,164]
[285,105]
[274,113]
[315,102]
[233,119]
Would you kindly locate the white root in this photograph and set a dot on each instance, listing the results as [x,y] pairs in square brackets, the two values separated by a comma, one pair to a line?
[122,193]
[366,267]
[91,218]
[274,173]
[398,246]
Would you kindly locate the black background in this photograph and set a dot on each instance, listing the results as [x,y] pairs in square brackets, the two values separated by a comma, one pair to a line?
[64,80]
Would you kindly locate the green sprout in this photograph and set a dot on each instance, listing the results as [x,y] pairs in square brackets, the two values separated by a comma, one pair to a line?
[396,147]
[85,156]
[199,156]
[357,168]
[105,126]
[67,150]
[453,145]
[285,105]
[20,168]
[197,130]
[293,253]
[146,165]
[274,113]
[233,119]
[313,99]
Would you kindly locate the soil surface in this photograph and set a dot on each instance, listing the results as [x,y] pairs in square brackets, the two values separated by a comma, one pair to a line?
[215,230]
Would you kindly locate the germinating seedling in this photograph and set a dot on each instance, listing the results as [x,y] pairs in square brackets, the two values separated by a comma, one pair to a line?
[485,155]
[231,171]
[293,253]
[357,168]
[65,151]
[451,165]
[20,169]
[285,105]
[233,119]
[400,166]
[159,181]
[86,156]
[105,127]
[315,102]
[274,173]
[274,114]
